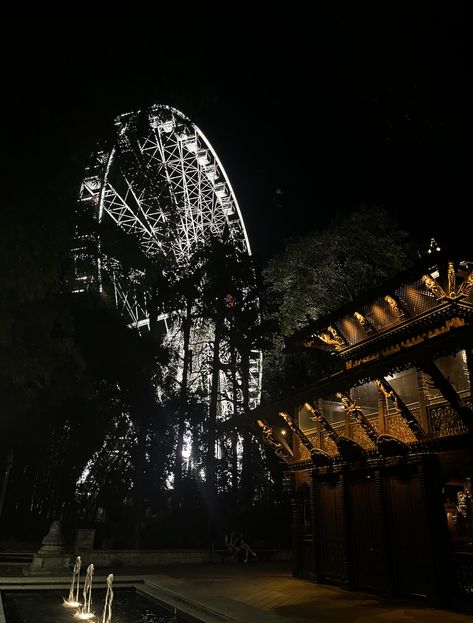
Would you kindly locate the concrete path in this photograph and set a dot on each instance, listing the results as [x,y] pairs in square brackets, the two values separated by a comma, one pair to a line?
[267,593]
[271,590]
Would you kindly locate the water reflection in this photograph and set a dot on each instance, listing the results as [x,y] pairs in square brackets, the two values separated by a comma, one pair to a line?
[45,607]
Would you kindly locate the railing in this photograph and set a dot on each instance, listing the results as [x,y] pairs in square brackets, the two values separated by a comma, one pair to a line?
[445,421]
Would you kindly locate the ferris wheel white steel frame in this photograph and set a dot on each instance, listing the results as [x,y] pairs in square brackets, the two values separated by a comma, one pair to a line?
[171,157]
[162,181]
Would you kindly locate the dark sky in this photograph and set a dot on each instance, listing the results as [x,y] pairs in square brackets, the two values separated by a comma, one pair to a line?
[310,113]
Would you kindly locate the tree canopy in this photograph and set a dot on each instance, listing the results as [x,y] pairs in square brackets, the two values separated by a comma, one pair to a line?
[320,271]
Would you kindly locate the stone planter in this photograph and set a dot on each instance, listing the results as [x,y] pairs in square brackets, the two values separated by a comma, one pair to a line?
[51,559]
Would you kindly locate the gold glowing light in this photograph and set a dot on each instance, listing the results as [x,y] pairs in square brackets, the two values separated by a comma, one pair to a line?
[70,603]
[84,616]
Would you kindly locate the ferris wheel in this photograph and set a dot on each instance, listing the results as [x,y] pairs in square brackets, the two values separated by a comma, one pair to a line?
[161,180]
[161,175]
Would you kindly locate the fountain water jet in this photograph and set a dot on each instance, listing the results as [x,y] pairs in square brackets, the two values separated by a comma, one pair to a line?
[107,608]
[85,612]
[73,600]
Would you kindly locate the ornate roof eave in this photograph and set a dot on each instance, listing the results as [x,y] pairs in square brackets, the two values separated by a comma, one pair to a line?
[417,448]
[376,367]
[411,328]
[425,264]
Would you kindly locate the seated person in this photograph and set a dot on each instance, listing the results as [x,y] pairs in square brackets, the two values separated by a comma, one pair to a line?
[243,547]
[230,542]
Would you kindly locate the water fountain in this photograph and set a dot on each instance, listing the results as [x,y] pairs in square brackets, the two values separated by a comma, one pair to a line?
[107,608]
[85,613]
[73,600]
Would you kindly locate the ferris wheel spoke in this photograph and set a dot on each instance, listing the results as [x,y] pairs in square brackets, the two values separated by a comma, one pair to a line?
[122,213]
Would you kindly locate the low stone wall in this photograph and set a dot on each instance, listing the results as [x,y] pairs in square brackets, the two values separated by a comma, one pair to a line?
[143,558]
[150,557]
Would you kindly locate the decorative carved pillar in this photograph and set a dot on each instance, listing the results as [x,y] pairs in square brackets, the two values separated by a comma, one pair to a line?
[423,401]
[406,414]
[319,433]
[352,409]
[382,411]
[347,424]
[469,367]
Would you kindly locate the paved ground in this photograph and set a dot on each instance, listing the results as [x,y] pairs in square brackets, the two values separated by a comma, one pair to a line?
[271,588]
[267,593]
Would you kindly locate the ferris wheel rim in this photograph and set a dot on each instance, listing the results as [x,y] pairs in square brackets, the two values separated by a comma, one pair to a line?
[224,173]
[237,226]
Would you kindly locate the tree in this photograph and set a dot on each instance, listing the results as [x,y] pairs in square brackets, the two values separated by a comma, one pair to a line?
[319,272]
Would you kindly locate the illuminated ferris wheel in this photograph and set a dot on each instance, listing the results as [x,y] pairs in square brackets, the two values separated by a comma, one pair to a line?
[161,180]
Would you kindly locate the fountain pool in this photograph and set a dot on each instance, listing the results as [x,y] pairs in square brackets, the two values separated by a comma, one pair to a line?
[45,606]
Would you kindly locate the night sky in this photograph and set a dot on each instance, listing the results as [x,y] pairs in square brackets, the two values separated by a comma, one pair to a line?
[310,114]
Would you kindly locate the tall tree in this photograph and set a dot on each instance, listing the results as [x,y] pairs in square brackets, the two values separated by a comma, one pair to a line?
[322,270]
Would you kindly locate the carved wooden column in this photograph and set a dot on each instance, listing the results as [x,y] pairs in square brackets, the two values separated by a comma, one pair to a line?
[469,367]
[382,411]
[319,436]
[347,432]
[423,401]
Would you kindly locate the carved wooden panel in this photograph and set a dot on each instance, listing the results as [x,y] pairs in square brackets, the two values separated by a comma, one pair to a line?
[411,546]
[332,528]
[369,558]
[302,478]
[302,452]
[445,421]
[306,564]
[328,445]
[397,427]
[359,435]
[375,422]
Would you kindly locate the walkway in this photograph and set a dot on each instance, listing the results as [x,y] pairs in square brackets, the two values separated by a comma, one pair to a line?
[267,593]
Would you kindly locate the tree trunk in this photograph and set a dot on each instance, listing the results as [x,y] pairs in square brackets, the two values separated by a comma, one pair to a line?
[212,420]
[139,481]
[234,433]
[8,466]
[247,462]
[182,407]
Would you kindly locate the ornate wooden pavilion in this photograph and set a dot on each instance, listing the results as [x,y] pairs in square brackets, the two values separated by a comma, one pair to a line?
[379,455]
